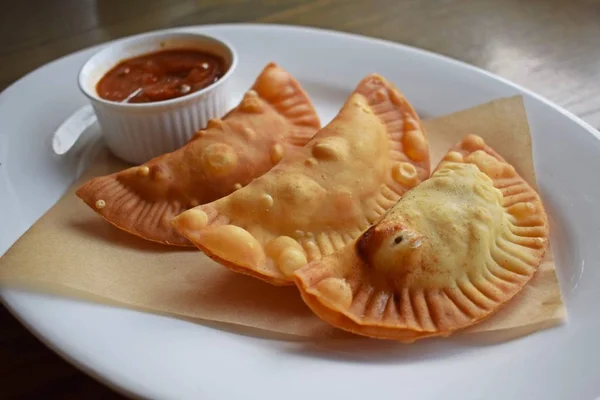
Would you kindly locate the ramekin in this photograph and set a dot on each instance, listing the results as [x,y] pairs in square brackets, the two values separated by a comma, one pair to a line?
[137,132]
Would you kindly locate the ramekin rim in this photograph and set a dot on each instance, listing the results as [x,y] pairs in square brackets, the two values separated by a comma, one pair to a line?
[182,100]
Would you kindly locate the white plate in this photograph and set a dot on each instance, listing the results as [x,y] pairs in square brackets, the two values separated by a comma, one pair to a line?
[162,357]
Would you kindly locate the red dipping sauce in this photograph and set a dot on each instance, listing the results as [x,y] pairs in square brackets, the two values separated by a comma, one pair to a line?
[162,75]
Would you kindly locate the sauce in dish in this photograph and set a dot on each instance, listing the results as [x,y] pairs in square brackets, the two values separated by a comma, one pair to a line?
[162,75]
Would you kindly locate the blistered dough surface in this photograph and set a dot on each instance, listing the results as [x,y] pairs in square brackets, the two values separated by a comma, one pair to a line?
[273,118]
[321,198]
[450,253]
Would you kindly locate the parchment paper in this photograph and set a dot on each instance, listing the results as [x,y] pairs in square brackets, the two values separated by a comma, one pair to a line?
[73,251]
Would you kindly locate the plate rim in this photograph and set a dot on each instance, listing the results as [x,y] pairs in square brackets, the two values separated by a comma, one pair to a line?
[326,31]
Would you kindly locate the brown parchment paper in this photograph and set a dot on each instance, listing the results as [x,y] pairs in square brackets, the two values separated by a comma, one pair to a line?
[73,251]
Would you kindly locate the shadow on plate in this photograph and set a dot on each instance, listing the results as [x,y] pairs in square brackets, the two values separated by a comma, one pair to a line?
[359,349]
[99,229]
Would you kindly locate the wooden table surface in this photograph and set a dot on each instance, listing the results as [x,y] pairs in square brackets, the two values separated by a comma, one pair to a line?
[549,46]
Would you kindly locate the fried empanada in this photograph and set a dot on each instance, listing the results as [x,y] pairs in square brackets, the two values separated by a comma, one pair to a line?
[450,253]
[274,117]
[321,197]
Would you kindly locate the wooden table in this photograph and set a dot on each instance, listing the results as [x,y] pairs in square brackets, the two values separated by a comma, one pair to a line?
[549,46]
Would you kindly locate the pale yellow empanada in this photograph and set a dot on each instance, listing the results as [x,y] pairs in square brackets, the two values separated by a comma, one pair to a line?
[450,253]
[274,117]
[322,197]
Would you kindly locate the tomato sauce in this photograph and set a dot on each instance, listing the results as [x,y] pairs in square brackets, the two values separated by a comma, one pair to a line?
[162,75]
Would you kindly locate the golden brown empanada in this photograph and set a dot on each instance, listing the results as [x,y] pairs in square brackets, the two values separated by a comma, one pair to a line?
[274,117]
[323,196]
[450,253]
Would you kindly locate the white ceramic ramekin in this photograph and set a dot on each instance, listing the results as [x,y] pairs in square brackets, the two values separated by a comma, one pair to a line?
[140,131]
